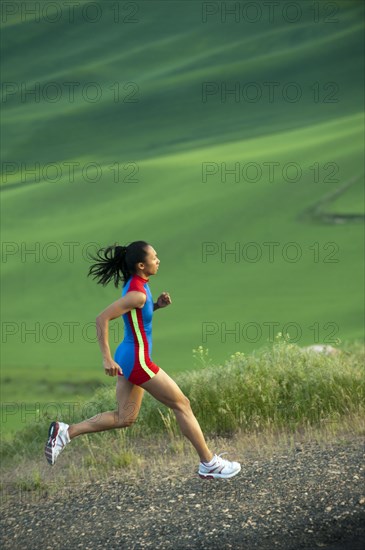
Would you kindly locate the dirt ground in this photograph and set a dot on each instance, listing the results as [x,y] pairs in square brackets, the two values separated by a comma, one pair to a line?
[304,497]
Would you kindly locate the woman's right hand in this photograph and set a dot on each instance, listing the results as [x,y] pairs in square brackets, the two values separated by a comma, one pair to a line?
[111,368]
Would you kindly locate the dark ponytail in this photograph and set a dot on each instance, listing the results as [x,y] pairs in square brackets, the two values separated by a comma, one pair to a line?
[117,262]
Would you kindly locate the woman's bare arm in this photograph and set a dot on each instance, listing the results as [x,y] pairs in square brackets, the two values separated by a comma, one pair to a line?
[131,300]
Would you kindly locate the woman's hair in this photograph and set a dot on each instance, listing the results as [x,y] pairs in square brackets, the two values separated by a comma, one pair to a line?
[117,262]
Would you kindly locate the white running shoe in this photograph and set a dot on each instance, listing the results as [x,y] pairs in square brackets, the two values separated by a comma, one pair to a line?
[57,440]
[220,469]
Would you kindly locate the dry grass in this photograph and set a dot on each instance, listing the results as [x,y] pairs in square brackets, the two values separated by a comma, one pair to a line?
[258,404]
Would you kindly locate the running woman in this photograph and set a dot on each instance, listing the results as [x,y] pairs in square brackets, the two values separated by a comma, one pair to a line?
[132,363]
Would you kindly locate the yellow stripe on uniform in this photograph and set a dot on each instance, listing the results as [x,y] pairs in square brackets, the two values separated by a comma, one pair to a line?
[140,343]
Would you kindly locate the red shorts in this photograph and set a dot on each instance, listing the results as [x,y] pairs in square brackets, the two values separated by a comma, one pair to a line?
[136,368]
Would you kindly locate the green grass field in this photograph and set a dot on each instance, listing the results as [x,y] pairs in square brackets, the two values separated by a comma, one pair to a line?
[162,143]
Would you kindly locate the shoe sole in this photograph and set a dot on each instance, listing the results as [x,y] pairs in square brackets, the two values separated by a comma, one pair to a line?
[219,476]
[48,450]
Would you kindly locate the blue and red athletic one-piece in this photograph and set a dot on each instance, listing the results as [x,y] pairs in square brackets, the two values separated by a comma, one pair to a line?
[133,354]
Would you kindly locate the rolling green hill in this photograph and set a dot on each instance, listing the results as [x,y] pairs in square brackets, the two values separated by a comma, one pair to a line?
[150,97]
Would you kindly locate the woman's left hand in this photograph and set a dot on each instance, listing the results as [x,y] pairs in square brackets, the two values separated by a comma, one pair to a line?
[164,300]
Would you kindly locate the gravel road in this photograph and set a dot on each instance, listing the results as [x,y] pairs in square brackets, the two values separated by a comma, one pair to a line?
[301,498]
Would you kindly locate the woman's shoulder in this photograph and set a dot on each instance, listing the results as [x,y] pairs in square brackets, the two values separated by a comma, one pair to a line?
[136,283]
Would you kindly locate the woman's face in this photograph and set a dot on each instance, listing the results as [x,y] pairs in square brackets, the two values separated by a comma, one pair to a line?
[151,263]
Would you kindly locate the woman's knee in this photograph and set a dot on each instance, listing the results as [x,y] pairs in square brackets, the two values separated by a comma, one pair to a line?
[182,404]
[124,421]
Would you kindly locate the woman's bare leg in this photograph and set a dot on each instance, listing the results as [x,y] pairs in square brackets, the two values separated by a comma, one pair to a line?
[164,389]
[129,399]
